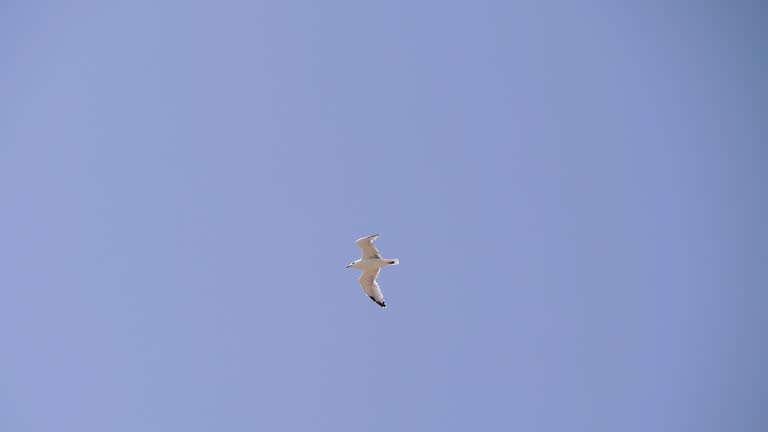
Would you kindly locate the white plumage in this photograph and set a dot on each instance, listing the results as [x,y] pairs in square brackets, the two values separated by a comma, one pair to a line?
[371,264]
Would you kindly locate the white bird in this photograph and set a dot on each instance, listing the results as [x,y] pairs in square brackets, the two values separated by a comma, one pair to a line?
[371,264]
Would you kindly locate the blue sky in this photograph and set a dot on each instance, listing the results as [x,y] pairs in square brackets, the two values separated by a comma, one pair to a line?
[575,192]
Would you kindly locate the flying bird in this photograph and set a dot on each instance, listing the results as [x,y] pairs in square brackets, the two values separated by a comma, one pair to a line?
[371,264]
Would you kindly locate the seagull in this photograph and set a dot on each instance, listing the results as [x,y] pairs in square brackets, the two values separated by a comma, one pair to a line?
[371,264]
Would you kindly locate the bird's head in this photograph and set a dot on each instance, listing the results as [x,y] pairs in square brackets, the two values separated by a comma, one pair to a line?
[351,264]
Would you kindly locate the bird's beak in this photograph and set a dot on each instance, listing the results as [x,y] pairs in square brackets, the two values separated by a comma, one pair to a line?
[349,266]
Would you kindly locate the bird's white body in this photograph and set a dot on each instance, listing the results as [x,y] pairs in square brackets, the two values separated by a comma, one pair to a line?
[371,264]
[365,264]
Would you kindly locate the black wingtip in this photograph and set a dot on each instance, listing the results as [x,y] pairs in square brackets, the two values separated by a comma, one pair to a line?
[380,303]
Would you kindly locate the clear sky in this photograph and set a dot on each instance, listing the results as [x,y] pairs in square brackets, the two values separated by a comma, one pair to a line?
[575,191]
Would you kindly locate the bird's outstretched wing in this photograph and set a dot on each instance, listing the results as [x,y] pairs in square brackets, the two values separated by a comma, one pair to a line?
[371,288]
[366,244]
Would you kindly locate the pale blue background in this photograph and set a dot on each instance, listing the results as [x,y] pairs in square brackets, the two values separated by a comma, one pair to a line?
[576,192]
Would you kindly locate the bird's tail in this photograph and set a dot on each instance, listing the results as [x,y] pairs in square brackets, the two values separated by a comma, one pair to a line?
[394,262]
